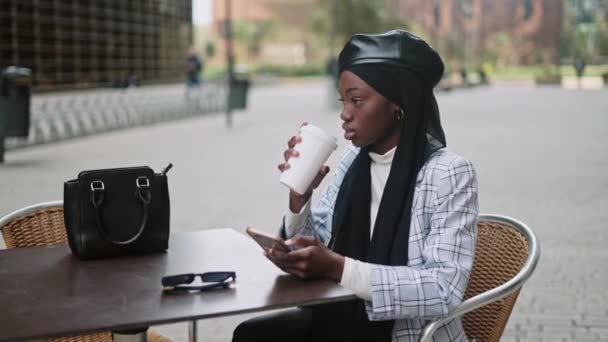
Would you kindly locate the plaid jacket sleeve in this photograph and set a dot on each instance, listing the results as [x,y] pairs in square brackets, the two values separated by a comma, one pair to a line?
[443,234]
[318,220]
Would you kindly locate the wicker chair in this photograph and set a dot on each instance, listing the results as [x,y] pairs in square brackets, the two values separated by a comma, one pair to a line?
[41,225]
[506,254]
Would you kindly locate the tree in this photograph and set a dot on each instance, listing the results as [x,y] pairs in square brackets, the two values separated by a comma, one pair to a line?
[252,34]
[210,49]
[585,32]
[352,16]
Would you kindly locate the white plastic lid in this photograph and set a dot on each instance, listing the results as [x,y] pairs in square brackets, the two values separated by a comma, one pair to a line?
[316,131]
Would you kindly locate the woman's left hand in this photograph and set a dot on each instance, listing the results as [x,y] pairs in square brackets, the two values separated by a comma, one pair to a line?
[313,260]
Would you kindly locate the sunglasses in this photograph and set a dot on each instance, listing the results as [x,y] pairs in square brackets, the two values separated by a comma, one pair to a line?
[214,280]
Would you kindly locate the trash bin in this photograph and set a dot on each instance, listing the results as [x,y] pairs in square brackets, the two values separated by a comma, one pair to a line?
[238,93]
[15,93]
[239,87]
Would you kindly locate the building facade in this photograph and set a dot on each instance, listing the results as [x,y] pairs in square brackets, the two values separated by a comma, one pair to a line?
[288,44]
[90,43]
[533,27]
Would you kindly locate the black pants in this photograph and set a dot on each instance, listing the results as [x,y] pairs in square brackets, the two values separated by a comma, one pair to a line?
[294,325]
[344,321]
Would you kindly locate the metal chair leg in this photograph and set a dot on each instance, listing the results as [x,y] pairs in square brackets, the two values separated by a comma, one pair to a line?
[192,331]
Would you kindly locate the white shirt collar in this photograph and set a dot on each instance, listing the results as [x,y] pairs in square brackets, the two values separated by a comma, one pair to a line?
[386,158]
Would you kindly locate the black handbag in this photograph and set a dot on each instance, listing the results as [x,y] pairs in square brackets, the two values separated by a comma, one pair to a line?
[115,212]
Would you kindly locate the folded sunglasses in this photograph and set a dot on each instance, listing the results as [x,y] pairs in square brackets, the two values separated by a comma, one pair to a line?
[212,279]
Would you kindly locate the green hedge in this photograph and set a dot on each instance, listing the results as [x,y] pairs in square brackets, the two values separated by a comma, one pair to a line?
[217,72]
[290,70]
[532,71]
[214,72]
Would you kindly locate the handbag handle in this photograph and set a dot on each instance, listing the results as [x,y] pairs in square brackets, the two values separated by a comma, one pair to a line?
[142,193]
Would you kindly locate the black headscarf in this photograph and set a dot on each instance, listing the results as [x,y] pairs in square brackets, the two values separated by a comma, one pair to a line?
[404,69]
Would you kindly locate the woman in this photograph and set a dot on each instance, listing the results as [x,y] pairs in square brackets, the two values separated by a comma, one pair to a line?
[397,223]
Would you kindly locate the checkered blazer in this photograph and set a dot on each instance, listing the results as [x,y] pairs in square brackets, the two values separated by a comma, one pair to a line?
[441,247]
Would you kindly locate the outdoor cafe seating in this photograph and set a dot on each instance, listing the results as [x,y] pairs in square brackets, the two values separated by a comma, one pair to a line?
[506,255]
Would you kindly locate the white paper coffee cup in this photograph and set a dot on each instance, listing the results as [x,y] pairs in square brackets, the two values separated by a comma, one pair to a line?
[315,148]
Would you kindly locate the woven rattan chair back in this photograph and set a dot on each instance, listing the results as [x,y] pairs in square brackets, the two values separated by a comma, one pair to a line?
[42,225]
[97,337]
[500,254]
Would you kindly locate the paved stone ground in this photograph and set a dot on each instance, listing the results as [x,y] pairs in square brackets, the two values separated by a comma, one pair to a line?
[540,154]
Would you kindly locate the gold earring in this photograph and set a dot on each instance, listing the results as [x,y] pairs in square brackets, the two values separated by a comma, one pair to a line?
[400,114]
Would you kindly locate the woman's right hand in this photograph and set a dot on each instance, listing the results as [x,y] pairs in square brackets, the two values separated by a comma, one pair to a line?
[297,201]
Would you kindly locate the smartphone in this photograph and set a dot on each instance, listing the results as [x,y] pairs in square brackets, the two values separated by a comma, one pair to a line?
[267,241]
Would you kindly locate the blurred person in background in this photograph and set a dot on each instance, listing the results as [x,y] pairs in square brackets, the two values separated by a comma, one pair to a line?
[194,68]
[397,223]
[579,68]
